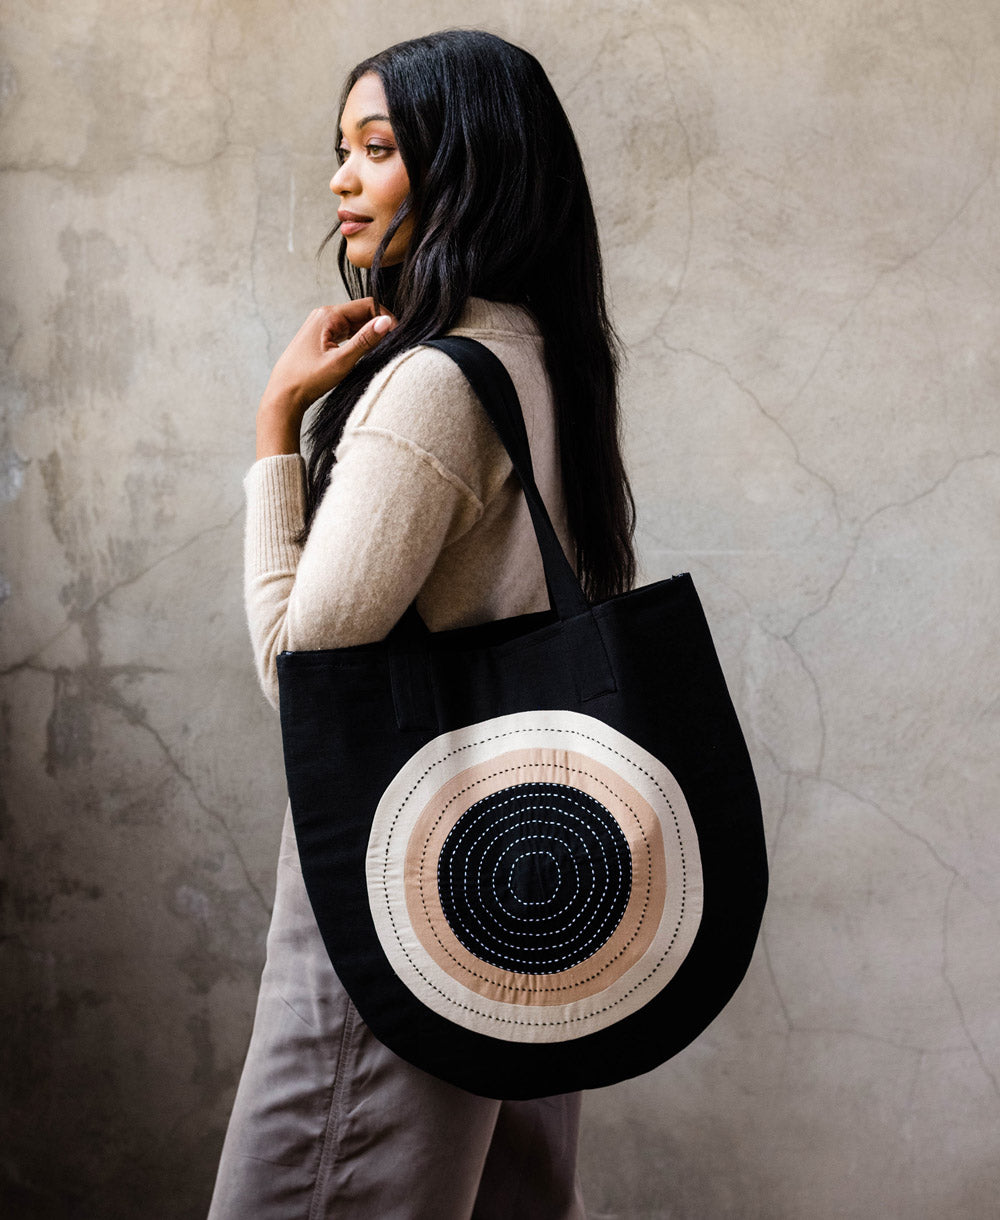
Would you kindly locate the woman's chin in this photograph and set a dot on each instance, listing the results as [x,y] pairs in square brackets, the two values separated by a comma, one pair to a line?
[362,258]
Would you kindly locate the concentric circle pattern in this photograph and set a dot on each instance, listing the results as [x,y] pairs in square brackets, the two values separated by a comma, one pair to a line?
[535,878]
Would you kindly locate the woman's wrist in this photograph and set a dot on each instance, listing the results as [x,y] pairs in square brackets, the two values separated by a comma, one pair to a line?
[279,425]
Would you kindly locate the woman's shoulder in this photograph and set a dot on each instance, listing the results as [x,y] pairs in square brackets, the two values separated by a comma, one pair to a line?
[421,393]
[422,403]
[423,397]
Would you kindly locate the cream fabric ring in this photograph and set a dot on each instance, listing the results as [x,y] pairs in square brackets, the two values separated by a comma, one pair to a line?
[582,787]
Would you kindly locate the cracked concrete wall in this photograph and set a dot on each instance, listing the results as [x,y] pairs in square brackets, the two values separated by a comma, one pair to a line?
[799,209]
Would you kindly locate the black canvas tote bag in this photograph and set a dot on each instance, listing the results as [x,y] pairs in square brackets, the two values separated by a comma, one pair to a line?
[534,847]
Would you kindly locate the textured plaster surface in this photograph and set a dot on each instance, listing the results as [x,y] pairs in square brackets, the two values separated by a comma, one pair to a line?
[799,207]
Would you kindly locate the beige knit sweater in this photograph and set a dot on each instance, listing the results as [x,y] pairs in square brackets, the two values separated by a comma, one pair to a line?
[422,503]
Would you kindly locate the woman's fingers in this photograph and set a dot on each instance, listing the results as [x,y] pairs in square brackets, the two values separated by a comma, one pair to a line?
[369,336]
[349,351]
[345,322]
[328,345]
[356,313]
[340,322]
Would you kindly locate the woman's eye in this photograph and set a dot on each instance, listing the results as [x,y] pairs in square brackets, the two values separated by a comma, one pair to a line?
[376,152]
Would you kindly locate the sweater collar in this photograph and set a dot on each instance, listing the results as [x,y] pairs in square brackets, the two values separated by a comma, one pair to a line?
[481,317]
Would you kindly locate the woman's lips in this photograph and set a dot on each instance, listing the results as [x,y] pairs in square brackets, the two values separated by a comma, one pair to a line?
[351,222]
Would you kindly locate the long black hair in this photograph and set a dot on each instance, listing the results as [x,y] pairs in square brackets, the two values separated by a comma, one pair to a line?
[500,210]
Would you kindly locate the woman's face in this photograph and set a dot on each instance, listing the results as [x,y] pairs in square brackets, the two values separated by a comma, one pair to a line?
[372,181]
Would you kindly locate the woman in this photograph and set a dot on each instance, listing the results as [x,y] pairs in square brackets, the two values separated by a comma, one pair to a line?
[463,209]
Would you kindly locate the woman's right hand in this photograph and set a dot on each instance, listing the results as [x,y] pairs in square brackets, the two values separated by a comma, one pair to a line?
[328,345]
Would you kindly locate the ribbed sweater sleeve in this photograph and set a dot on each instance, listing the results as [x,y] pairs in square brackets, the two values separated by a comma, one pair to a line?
[276,506]
[275,494]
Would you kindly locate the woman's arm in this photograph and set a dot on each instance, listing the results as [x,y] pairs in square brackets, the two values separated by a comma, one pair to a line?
[416,463]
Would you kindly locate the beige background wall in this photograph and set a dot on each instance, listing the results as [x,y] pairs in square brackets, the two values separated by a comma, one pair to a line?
[799,205]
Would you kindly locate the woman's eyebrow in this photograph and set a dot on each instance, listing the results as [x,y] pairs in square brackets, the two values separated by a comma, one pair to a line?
[372,118]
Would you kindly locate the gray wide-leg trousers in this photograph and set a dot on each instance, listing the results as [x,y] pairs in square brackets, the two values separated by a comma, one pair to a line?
[329,1123]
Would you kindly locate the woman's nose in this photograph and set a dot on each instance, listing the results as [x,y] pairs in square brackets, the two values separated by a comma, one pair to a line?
[342,181]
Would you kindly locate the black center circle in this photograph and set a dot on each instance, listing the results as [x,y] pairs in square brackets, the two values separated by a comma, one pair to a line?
[535,878]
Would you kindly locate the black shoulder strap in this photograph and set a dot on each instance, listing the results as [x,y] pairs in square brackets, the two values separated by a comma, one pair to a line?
[495,390]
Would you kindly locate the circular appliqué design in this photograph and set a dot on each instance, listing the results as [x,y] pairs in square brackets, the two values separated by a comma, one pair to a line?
[534,877]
